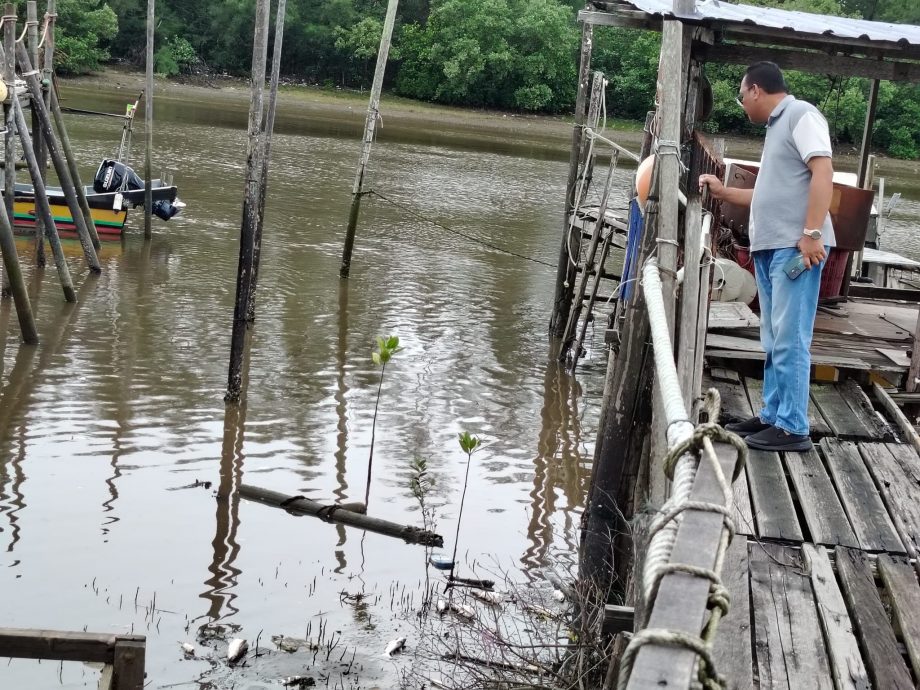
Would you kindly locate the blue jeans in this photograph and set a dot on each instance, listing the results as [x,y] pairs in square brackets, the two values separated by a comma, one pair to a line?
[787,319]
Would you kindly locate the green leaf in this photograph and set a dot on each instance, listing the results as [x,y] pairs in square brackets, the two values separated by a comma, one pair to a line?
[393,343]
[376,357]
[468,442]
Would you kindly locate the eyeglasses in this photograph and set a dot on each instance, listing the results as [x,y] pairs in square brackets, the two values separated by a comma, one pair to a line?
[741,96]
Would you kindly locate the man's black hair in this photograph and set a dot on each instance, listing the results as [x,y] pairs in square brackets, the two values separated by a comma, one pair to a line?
[768,76]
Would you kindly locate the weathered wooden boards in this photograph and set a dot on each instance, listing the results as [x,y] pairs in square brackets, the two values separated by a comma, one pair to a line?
[896,470]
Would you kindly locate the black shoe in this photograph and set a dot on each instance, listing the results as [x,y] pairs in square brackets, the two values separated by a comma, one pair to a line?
[747,427]
[773,438]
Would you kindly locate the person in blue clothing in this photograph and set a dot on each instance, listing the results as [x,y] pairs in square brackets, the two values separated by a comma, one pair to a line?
[789,221]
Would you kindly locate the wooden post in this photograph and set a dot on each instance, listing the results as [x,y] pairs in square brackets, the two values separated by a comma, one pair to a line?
[32,39]
[565,284]
[148,123]
[690,298]
[268,129]
[251,202]
[63,174]
[370,124]
[13,274]
[868,126]
[129,664]
[71,160]
[9,69]
[42,207]
[913,374]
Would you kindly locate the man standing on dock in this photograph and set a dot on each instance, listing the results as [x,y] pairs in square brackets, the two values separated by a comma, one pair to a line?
[789,224]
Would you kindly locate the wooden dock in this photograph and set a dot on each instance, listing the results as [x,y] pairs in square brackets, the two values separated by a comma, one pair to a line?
[822,571]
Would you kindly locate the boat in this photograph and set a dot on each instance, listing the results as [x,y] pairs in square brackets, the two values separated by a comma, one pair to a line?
[116,187]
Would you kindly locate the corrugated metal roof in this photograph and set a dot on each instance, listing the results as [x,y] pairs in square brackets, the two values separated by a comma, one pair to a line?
[800,22]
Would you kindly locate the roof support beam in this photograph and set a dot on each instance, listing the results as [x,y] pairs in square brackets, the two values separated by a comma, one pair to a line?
[819,63]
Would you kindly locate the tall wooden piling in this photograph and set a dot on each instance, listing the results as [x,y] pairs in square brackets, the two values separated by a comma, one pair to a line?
[60,168]
[13,273]
[251,202]
[32,41]
[9,70]
[370,126]
[565,286]
[148,123]
[42,207]
[268,129]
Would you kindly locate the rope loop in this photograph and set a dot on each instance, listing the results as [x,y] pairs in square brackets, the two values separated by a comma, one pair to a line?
[667,147]
[707,431]
[709,678]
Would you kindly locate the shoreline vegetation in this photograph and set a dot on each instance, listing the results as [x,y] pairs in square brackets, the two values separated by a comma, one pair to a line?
[404,119]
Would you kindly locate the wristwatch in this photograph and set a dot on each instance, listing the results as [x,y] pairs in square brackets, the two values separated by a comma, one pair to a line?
[813,234]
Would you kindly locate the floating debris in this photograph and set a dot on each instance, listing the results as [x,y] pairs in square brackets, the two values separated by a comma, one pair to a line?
[298,682]
[442,606]
[237,649]
[188,649]
[493,598]
[293,644]
[395,646]
[558,595]
[464,611]
[441,562]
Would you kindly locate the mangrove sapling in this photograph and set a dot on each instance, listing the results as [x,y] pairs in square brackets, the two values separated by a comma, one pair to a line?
[386,348]
[468,444]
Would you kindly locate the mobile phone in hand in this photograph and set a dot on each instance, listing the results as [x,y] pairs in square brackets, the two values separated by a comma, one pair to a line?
[795,267]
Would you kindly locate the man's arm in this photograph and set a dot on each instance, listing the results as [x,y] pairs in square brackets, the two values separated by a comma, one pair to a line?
[733,195]
[820,191]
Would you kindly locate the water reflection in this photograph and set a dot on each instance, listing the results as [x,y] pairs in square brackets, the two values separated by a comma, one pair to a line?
[341,411]
[557,464]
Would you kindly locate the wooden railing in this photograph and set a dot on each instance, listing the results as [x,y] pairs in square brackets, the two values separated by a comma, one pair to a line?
[122,655]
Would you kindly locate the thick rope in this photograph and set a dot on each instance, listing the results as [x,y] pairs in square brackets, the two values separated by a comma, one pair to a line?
[688,446]
[25,28]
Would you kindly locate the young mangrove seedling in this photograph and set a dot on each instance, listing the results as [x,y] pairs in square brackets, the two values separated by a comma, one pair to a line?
[468,444]
[386,348]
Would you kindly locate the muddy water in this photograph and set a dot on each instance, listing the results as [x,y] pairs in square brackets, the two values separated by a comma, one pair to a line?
[109,424]
[105,425]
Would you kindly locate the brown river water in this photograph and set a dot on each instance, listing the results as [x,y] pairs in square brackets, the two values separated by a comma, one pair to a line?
[108,424]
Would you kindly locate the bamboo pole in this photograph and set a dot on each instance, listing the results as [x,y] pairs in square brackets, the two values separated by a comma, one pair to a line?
[268,130]
[562,301]
[251,202]
[72,165]
[148,123]
[300,505]
[42,207]
[60,168]
[13,273]
[32,39]
[370,126]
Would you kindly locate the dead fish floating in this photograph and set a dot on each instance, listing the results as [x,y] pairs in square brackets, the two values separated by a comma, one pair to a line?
[463,611]
[558,595]
[292,644]
[442,606]
[493,598]
[188,649]
[237,649]
[395,646]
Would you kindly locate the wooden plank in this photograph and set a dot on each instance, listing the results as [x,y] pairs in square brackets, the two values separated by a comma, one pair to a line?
[56,644]
[908,432]
[824,359]
[899,357]
[731,649]
[787,636]
[899,487]
[861,501]
[886,667]
[129,665]
[840,417]
[721,374]
[727,315]
[901,582]
[742,513]
[735,403]
[824,515]
[682,598]
[862,407]
[774,511]
[816,424]
[846,662]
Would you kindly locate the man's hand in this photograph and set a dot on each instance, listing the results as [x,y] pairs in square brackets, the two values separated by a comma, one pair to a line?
[812,251]
[716,188]
[733,195]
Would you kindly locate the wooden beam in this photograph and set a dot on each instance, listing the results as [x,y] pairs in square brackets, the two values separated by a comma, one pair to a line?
[813,62]
[891,407]
[61,645]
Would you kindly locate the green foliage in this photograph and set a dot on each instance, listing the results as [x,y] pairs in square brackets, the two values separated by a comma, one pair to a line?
[82,31]
[469,443]
[175,56]
[386,348]
[518,54]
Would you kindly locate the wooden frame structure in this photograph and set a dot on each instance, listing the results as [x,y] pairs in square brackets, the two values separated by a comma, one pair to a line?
[122,655]
[626,473]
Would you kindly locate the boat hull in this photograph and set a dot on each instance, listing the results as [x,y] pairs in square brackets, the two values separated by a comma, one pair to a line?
[109,223]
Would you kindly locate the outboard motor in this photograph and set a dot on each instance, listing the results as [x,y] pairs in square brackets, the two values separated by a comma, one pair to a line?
[113,176]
